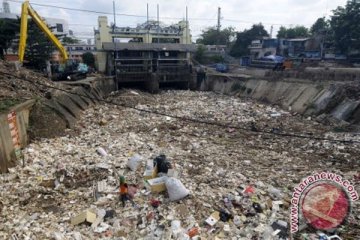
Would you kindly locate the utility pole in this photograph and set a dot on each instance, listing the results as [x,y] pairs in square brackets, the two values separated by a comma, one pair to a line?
[113,30]
[219,19]
[116,54]
[158,23]
[187,26]
[147,12]
[114,15]
[147,22]
[218,26]
[271,31]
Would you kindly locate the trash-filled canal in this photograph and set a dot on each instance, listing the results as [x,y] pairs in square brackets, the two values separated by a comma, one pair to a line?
[225,168]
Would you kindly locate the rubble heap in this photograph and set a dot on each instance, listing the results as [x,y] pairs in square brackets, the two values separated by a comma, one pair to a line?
[240,182]
[14,86]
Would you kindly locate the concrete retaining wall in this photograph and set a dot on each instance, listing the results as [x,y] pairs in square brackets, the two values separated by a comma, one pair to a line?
[69,105]
[303,96]
[50,117]
[318,74]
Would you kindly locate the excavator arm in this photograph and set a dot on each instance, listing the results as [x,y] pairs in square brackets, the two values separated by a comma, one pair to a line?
[26,10]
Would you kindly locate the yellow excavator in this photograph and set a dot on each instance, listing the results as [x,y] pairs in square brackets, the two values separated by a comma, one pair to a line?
[68,69]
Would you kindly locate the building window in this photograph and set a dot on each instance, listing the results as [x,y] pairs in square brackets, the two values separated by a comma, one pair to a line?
[59,27]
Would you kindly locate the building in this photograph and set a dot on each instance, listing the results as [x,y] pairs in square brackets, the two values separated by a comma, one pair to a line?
[215,50]
[304,47]
[107,39]
[58,26]
[263,47]
[75,51]
[150,53]
[299,47]
[6,7]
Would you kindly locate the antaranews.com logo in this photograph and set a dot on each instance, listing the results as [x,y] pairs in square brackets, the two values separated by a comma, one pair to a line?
[324,201]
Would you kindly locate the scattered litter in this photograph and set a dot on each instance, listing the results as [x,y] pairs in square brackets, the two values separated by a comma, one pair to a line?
[157,185]
[155,203]
[240,182]
[213,219]
[275,114]
[162,164]
[237,220]
[101,151]
[176,189]
[86,216]
[150,170]
[134,162]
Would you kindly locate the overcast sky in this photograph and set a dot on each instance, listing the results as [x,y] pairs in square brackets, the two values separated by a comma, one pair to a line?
[240,14]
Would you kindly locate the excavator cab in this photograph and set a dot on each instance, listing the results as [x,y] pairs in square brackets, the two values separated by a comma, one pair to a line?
[71,71]
[68,69]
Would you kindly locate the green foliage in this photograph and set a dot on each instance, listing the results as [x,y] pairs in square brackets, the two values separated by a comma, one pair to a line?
[321,26]
[212,36]
[38,48]
[295,32]
[200,54]
[243,40]
[8,30]
[6,104]
[216,59]
[69,40]
[346,27]
[89,59]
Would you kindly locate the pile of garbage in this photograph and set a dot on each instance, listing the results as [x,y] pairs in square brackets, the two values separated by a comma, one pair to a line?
[18,84]
[130,174]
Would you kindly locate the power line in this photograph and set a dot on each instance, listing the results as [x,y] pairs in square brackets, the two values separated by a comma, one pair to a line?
[93,11]
[144,16]
[83,25]
[78,9]
[188,119]
[264,23]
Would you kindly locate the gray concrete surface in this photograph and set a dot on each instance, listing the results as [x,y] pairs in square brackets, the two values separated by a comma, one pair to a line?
[303,96]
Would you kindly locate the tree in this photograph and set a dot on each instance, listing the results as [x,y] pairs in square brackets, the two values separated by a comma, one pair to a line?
[200,53]
[8,30]
[89,59]
[321,26]
[243,40]
[212,36]
[39,48]
[295,32]
[346,27]
[69,40]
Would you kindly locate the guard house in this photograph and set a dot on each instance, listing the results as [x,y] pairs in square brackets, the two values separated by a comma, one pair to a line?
[148,52]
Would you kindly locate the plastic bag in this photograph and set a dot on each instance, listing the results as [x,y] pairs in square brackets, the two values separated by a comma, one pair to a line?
[176,189]
[101,151]
[134,162]
[177,231]
[163,165]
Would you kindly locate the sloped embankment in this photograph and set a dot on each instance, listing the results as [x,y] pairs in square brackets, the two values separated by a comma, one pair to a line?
[328,100]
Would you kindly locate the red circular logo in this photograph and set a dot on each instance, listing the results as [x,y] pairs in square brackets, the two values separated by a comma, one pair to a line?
[325,206]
